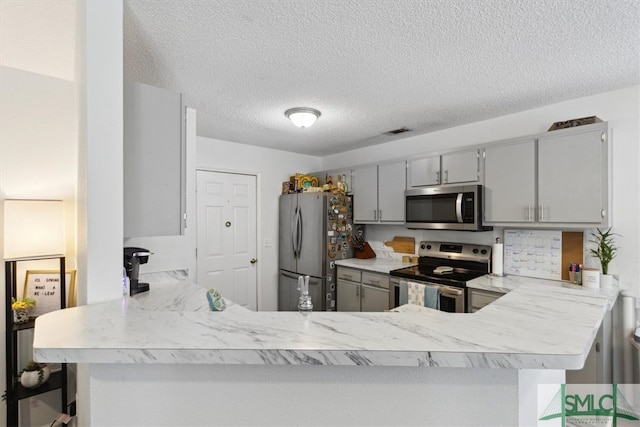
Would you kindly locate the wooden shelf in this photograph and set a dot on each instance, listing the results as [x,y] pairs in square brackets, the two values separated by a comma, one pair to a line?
[27,325]
[53,383]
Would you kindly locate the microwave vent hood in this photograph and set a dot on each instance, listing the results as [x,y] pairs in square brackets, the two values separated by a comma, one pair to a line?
[456,207]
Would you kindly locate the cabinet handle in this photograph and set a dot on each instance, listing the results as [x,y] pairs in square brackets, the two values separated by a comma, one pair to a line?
[357,291]
[541,211]
[438,177]
[597,347]
[446,176]
[380,215]
[529,212]
[375,214]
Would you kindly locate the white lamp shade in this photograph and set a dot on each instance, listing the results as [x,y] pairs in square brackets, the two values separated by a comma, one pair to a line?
[302,117]
[33,228]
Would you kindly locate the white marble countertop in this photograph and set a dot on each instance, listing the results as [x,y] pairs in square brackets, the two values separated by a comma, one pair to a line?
[530,327]
[508,283]
[378,265]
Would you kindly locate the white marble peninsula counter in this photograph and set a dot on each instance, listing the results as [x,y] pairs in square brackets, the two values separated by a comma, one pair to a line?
[407,368]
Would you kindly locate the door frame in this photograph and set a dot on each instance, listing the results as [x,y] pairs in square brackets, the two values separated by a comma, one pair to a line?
[258,177]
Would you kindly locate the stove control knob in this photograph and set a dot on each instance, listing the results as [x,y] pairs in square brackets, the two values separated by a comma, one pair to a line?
[429,247]
[423,246]
[483,252]
[475,251]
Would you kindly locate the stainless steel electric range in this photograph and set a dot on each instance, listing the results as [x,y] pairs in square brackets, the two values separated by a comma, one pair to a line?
[449,266]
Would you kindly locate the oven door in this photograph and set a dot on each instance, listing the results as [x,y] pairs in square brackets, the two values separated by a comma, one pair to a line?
[394,292]
[451,299]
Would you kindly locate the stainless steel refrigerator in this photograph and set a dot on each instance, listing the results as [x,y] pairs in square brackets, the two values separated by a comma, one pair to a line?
[315,230]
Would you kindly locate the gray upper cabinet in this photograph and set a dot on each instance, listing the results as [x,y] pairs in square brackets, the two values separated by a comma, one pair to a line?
[392,178]
[423,171]
[509,182]
[463,166]
[154,156]
[571,182]
[378,193]
[365,194]
[558,179]
[450,168]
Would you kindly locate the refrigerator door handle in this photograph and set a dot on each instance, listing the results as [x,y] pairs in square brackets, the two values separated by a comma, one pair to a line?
[294,227]
[299,231]
[290,275]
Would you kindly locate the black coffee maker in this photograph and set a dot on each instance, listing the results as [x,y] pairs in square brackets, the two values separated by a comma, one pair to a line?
[133,257]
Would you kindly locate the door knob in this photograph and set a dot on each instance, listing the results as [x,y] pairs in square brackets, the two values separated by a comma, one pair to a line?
[253,260]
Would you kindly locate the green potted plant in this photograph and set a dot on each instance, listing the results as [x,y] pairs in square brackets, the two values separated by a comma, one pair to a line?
[34,374]
[605,251]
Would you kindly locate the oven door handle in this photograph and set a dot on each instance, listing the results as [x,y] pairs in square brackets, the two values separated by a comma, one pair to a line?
[450,292]
[459,207]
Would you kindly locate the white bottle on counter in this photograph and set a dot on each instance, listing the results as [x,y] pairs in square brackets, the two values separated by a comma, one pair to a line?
[126,284]
[497,258]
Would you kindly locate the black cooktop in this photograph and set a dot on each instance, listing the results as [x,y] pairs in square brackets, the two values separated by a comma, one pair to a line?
[467,262]
[458,277]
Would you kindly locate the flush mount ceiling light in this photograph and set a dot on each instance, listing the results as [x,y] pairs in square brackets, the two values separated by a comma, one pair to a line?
[302,117]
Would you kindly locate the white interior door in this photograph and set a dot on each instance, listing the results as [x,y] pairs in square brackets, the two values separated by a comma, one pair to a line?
[226,235]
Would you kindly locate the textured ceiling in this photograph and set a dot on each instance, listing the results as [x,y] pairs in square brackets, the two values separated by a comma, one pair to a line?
[371,66]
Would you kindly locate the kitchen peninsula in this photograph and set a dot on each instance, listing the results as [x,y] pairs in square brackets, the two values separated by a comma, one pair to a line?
[165,348]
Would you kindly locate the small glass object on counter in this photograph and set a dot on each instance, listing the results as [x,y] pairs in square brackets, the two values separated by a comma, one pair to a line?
[575,273]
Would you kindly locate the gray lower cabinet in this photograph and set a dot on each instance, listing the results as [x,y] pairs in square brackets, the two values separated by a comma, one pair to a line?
[598,367]
[362,290]
[374,299]
[479,298]
[348,295]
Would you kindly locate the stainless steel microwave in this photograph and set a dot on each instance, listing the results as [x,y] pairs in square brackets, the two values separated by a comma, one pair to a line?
[445,208]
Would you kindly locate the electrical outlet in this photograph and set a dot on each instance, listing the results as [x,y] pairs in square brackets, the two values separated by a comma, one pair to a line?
[268,242]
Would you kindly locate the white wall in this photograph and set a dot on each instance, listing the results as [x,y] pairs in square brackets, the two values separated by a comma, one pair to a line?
[100,177]
[100,180]
[621,108]
[272,167]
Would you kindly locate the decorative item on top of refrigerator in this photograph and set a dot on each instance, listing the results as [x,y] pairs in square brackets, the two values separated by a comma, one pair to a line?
[315,230]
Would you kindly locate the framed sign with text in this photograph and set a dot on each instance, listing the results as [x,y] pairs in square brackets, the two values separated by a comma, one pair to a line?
[44,287]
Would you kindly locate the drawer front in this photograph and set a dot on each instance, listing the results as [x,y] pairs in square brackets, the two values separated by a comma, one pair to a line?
[374,279]
[481,299]
[350,274]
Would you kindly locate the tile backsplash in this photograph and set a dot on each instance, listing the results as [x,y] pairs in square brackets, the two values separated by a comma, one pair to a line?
[376,235]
